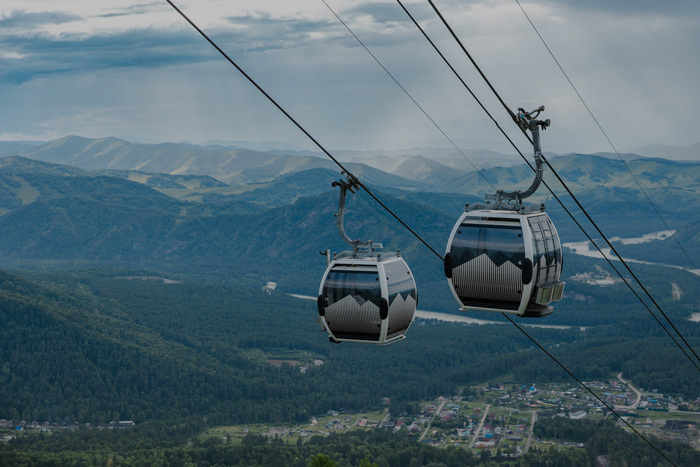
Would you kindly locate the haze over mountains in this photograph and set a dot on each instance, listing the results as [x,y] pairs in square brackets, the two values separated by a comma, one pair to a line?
[430,169]
[82,201]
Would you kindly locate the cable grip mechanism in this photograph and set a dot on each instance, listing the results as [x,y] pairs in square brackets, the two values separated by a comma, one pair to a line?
[513,200]
[360,247]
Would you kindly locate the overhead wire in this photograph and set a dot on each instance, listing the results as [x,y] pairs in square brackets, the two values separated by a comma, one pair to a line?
[556,197]
[571,194]
[302,129]
[408,94]
[605,134]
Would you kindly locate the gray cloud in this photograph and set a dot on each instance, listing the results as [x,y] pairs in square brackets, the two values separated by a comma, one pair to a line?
[381,13]
[632,7]
[264,32]
[38,55]
[22,19]
[43,56]
[138,9]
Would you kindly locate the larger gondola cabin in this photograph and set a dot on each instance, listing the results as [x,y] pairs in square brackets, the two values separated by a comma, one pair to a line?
[505,261]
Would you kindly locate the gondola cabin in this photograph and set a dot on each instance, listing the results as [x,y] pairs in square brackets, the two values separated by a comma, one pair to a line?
[367,299]
[505,261]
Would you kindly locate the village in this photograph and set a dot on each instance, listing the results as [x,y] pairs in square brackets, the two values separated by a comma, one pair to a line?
[501,417]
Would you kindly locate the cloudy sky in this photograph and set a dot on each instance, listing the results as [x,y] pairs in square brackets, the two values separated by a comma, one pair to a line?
[138,71]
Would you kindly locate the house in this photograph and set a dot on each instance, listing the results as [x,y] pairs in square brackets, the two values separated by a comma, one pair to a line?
[277,431]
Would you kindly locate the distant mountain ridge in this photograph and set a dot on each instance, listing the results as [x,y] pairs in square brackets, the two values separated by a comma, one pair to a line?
[126,215]
[231,166]
[435,170]
[681,153]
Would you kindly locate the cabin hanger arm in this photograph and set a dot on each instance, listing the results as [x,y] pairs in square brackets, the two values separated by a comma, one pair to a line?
[513,199]
[351,184]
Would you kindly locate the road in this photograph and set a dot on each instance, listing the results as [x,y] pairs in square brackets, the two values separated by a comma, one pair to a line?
[639,394]
[532,428]
[478,428]
[437,412]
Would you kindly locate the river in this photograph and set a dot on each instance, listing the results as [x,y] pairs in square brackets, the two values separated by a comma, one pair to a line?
[585,248]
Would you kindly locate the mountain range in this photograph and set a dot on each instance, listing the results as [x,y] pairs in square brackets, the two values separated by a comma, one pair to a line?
[136,294]
[687,153]
[432,170]
[254,181]
[53,215]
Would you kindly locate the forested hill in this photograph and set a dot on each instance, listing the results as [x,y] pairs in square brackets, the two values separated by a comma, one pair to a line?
[98,345]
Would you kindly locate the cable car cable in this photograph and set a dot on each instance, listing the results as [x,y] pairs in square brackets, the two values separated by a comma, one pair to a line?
[408,94]
[573,197]
[298,125]
[600,127]
[350,175]
[554,194]
[562,366]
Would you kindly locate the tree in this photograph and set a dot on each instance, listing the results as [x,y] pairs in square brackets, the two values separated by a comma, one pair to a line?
[322,460]
[366,463]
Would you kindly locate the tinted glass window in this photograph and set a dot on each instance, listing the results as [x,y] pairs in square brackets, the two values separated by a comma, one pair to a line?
[499,243]
[547,255]
[399,280]
[362,285]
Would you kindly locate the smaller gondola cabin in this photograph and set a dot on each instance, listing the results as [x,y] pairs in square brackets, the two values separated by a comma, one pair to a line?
[367,299]
[505,261]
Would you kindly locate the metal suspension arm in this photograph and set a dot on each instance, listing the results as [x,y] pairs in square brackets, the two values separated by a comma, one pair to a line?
[344,187]
[528,121]
[359,246]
